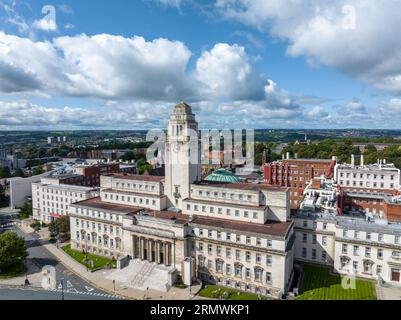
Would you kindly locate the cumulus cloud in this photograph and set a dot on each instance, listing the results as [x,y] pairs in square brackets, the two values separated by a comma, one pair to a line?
[155,74]
[353,36]
[225,72]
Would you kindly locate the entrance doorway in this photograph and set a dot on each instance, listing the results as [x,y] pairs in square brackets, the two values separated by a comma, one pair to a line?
[395,275]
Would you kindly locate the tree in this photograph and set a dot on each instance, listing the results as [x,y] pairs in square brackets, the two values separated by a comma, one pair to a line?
[5,172]
[19,173]
[3,197]
[25,211]
[12,250]
[37,171]
[60,227]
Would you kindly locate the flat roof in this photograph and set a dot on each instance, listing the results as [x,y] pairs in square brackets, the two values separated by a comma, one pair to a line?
[226,204]
[139,194]
[68,187]
[97,203]
[136,177]
[273,228]
[242,186]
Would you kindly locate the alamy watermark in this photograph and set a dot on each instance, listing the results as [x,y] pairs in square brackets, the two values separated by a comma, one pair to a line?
[207,147]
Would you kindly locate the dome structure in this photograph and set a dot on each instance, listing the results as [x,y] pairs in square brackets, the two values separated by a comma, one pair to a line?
[223,175]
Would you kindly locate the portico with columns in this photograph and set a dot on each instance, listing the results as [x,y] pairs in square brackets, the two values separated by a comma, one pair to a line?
[152,250]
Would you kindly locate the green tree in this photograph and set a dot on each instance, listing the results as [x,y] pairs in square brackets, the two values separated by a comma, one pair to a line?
[3,198]
[12,250]
[4,172]
[38,170]
[25,211]
[60,227]
[19,173]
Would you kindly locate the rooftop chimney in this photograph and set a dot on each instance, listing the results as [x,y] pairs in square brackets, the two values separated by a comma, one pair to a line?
[352,160]
[362,160]
[296,156]
[384,161]
[288,156]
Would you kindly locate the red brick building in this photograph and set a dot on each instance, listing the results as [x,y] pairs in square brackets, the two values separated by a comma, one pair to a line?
[296,174]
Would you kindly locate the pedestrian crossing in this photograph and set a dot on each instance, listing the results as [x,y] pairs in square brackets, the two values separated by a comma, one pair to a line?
[75,291]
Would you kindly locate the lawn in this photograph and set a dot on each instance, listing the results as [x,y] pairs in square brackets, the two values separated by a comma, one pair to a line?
[14,271]
[99,262]
[319,284]
[217,292]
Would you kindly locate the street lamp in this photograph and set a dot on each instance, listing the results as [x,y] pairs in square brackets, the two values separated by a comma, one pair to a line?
[62,289]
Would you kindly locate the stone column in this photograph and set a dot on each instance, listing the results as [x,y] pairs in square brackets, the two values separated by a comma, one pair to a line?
[166,254]
[142,248]
[134,240]
[150,241]
[157,250]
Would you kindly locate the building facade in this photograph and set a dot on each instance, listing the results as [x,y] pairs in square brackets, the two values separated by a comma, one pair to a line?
[52,200]
[296,174]
[234,234]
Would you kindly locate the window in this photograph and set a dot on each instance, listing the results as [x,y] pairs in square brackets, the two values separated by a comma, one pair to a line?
[269,243]
[238,254]
[324,240]
[355,265]
[356,250]
[258,274]
[238,270]
[228,253]
[379,269]
[368,251]
[324,226]
[209,249]
[313,254]
[381,237]
[304,252]
[247,272]
[269,260]
[228,269]
[248,256]
[258,258]
[356,234]
[344,248]
[305,224]
[345,233]
[304,237]
[200,246]
[258,241]
[324,256]
[380,253]
[238,238]
[314,239]
[228,236]
[248,240]
[368,236]
[397,239]
[218,251]
[268,277]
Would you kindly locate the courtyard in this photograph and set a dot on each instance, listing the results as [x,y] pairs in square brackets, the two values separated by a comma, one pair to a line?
[320,284]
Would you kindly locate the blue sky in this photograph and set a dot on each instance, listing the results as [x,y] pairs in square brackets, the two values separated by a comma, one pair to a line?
[124,64]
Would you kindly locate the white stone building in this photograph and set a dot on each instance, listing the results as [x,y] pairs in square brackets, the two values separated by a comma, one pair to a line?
[51,200]
[378,176]
[237,235]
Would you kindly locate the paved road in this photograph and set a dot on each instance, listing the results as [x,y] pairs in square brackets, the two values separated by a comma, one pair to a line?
[72,283]
[32,294]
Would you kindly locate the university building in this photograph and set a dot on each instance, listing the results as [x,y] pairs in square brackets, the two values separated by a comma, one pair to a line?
[237,235]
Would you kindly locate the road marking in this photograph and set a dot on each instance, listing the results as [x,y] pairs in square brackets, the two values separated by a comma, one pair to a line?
[89,289]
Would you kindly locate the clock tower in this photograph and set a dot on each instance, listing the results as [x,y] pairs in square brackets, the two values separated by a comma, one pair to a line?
[182,155]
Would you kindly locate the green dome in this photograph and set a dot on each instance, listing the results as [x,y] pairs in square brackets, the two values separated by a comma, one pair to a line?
[222,175]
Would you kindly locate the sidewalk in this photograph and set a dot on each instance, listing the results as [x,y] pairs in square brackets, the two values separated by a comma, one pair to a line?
[98,278]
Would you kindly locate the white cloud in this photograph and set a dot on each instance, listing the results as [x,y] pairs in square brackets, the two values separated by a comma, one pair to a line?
[170,3]
[322,32]
[225,72]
